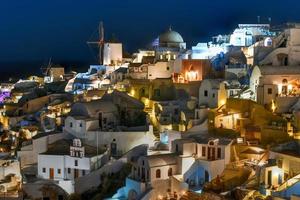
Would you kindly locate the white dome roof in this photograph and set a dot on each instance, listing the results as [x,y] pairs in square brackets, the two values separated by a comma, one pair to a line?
[170,36]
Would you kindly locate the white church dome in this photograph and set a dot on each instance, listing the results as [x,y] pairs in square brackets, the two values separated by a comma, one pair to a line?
[170,36]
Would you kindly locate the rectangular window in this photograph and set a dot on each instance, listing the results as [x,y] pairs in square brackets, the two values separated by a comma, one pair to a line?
[44,170]
[219,152]
[213,95]
[176,111]
[80,125]
[83,172]
[69,170]
[58,171]
[269,90]
[71,124]
[203,151]
[76,163]
[205,93]
[81,154]
[279,163]
[157,92]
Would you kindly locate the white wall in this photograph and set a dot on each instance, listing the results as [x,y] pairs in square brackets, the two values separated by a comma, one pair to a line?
[163,172]
[214,168]
[215,96]
[12,168]
[29,154]
[80,125]
[125,140]
[112,53]
[63,162]
[160,70]
[51,161]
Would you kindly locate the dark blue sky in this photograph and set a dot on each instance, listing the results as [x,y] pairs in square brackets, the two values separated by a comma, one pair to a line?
[31,31]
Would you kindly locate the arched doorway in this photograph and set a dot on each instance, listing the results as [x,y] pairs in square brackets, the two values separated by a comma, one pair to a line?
[132,195]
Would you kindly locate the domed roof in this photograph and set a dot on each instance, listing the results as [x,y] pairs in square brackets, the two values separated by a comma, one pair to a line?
[170,36]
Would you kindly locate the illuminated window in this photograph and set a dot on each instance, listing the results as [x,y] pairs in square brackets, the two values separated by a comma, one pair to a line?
[158,173]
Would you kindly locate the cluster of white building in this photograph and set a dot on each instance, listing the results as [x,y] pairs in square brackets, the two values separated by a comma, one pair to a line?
[166,91]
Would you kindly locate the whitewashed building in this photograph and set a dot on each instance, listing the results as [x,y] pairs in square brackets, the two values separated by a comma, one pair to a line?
[277,76]
[112,53]
[248,34]
[212,93]
[66,160]
[191,162]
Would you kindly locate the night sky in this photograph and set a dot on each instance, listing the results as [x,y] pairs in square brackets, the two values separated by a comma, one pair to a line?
[32,31]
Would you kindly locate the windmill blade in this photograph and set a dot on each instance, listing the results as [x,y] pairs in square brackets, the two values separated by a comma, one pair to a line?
[99,42]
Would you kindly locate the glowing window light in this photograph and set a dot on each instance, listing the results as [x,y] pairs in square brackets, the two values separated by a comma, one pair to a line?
[222,102]
[236,115]
[192,75]
[273,106]
[290,88]
[132,92]
[279,88]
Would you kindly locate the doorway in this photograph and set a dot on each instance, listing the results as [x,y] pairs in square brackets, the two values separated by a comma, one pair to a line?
[76,174]
[51,173]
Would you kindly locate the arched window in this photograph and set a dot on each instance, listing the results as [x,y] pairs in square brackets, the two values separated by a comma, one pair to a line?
[284,89]
[158,173]
[170,172]
[284,81]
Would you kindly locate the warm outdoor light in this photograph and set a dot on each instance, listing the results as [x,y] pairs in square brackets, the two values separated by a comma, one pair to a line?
[149,100]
